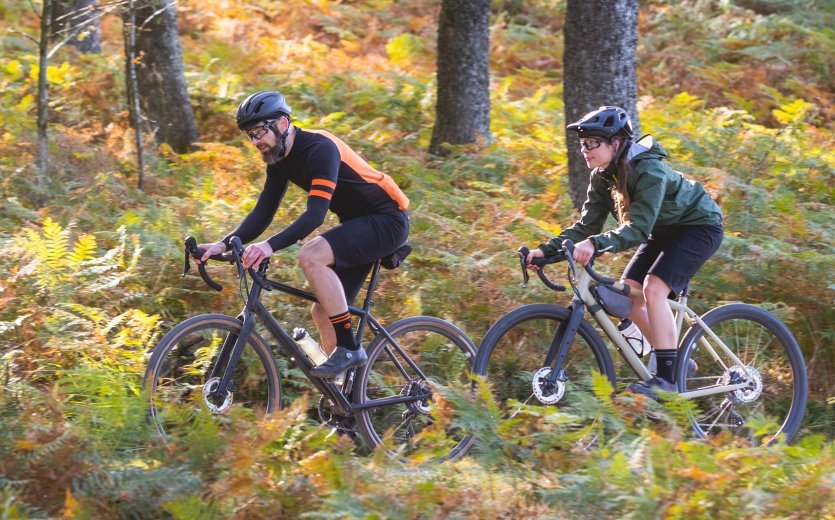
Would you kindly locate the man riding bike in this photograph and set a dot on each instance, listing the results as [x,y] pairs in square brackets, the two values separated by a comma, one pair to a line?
[372,211]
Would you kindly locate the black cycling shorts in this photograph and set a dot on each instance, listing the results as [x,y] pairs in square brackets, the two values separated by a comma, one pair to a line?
[361,241]
[675,257]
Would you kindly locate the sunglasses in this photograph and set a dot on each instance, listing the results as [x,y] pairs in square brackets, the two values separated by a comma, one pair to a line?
[590,143]
[259,131]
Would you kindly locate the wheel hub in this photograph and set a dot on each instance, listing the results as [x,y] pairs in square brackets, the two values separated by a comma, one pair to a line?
[751,391]
[545,390]
[210,399]
[422,389]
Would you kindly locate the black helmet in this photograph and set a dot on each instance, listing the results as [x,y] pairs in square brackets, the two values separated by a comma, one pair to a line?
[267,104]
[604,122]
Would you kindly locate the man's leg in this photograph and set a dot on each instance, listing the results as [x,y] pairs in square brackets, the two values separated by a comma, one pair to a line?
[316,259]
[327,337]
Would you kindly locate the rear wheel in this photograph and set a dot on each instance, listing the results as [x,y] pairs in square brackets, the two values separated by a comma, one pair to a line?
[770,406]
[429,355]
[179,382]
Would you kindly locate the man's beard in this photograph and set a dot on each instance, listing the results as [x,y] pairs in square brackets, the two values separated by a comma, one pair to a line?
[275,153]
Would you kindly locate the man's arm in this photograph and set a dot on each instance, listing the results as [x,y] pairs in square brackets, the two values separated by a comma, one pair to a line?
[262,214]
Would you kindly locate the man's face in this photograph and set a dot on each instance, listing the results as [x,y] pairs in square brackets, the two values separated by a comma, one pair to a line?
[266,141]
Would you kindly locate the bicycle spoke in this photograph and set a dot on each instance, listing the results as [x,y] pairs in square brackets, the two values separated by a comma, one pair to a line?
[770,384]
[443,356]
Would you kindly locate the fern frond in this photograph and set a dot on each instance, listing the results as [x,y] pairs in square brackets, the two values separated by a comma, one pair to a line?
[56,241]
[85,248]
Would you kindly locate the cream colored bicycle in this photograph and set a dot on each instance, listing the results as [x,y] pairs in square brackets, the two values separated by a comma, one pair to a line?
[750,378]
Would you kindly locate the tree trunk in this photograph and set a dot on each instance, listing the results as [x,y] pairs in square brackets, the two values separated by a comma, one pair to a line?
[43,93]
[462,112]
[599,63]
[78,22]
[129,31]
[161,75]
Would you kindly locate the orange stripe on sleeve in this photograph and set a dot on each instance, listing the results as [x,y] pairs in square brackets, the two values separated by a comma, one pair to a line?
[323,182]
[320,193]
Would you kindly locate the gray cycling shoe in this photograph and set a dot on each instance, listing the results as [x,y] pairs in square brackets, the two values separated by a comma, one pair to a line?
[650,388]
[340,360]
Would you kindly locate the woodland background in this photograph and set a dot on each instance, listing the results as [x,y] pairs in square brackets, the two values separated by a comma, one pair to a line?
[739,92]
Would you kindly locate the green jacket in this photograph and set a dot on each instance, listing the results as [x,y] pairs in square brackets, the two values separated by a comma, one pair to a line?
[661,201]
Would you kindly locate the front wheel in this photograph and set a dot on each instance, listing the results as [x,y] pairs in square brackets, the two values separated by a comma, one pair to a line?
[427,356]
[512,358]
[179,378]
[770,406]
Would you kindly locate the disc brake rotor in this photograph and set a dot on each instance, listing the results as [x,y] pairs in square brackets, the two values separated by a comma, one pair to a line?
[210,400]
[546,391]
[751,391]
[418,388]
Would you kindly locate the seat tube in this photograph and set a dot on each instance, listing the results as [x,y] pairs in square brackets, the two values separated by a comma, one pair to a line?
[368,303]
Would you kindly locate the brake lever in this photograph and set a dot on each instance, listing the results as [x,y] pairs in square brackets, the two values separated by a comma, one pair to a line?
[193,250]
[523,256]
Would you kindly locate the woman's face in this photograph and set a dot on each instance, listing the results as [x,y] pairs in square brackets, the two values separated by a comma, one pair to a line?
[597,151]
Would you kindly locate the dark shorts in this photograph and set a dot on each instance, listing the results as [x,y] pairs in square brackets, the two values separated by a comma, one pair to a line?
[676,256]
[359,242]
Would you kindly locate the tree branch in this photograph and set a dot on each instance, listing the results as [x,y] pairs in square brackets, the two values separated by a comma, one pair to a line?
[28,37]
[155,14]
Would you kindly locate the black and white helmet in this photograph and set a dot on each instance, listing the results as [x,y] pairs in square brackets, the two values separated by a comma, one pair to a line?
[267,104]
[606,122]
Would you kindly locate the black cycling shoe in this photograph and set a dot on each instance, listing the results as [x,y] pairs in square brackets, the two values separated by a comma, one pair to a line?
[340,359]
[650,388]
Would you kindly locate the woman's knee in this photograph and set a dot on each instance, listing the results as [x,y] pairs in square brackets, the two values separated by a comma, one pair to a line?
[655,289]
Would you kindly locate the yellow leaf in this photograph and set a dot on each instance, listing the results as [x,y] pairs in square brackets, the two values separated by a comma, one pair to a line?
[25,445]
[26,102]
[14,69]
[793,112]
[71,505]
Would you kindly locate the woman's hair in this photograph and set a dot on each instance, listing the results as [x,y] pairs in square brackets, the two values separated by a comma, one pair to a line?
[619,193]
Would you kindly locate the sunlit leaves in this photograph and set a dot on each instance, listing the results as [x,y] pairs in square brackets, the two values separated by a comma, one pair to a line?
[792,113]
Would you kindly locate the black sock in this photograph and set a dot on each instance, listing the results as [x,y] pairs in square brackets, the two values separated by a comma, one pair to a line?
[666,361]
[344,331]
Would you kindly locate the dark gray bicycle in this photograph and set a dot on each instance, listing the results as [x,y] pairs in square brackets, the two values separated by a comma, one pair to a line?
[216,364]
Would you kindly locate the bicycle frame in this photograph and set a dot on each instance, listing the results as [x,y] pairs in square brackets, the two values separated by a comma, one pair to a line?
[584,299]
[255,310]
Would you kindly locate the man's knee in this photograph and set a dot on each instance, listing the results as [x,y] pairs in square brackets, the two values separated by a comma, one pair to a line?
[315,253]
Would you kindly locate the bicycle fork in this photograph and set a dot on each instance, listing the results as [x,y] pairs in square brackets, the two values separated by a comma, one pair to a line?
[228,358]
[563,337]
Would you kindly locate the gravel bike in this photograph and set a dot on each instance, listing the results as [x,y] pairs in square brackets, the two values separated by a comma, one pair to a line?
[749,378]
[217,364]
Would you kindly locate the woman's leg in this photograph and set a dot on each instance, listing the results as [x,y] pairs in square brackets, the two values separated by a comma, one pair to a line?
[639,309]
[661,321]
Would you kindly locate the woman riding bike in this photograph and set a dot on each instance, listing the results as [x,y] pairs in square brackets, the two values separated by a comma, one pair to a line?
[673,220]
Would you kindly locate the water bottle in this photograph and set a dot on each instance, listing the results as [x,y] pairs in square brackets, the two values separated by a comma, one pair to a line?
[309,346]
[634,337]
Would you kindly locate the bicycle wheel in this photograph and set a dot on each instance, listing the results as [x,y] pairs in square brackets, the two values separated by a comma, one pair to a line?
[512,358]
[178,375]
[424,430]
[771,407]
